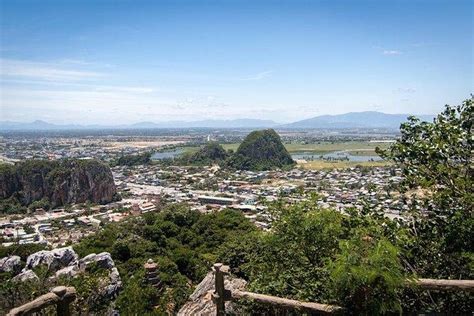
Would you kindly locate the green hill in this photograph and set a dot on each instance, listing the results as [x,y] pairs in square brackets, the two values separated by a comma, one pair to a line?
[208,154]
[261,150]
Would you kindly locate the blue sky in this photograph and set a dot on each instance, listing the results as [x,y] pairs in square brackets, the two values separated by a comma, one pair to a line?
[112,62]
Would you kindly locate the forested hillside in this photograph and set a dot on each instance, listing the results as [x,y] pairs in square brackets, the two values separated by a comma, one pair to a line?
[261,150]
[207,154]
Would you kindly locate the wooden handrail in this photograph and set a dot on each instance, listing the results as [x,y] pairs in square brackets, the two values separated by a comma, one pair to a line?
[440,284]
[317,308]
[221,295]
[60,296]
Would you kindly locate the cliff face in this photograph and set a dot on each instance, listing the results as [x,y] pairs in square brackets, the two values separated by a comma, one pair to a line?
[61,182]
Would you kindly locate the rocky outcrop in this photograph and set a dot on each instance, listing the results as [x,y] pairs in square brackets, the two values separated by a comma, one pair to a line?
[54,259]
[59,182]
[10,264]
[200,302]
[26,275]
[103,260]
[115,284]
[65,263]
[70,271]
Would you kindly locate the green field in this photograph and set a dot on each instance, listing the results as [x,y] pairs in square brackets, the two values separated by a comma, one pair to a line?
[322,164]
[358,148]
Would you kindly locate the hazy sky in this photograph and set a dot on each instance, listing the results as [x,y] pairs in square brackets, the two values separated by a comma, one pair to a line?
[114,62]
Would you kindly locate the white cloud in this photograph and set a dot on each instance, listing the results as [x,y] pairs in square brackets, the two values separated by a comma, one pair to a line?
[405,90]
[43,71]
[392,52]
[259,76]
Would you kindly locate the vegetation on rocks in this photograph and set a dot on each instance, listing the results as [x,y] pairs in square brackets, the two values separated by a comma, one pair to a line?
[134,160]
[207,154]
[53,183]
[182,242]
[261,150]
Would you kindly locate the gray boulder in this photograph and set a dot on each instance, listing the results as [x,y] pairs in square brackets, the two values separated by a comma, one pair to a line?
[70,271]
[115,284]
[103,260]
[26,275]
[54,259]
[10,264]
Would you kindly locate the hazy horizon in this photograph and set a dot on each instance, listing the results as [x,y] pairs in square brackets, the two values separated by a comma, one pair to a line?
[209,120]
[115,63]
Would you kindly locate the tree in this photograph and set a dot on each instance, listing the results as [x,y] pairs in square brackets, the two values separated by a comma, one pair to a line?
[437,162]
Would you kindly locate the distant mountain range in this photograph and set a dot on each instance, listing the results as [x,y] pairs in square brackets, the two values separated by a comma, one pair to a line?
[238,123]
[370,119]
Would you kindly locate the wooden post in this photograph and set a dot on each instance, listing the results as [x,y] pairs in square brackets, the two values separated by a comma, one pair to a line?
[60,296]
[219,290]
[66,296]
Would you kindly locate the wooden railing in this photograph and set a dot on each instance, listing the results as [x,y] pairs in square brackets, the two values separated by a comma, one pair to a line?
[445,285]
[60,296]
[221,294]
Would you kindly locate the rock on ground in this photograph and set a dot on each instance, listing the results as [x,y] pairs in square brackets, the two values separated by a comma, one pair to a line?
[26,275]
[200,302]
[103,259]
[54,259]
[115,284]
[10,264]
[69,271]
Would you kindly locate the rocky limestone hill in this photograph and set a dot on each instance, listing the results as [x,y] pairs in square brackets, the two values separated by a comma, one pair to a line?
[60,182]
[261,150]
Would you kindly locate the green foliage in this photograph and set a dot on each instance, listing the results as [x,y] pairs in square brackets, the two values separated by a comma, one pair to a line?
[23,251]
[313,254]
[137,297]
[367,276]
[134,160]
[184,244]
[208,154]
[261,150]
[43,203]
[437,158]
[13,294]
[11,205]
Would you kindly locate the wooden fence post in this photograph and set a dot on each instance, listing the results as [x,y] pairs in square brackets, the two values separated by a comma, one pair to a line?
[219,290]
[220,295]
[65,299]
